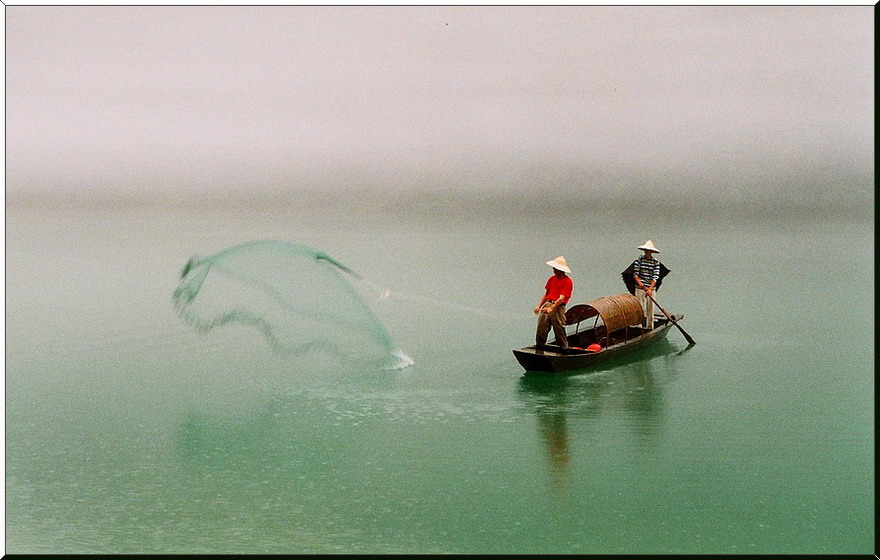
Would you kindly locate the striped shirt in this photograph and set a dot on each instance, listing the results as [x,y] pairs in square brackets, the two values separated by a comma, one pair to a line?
[646,269]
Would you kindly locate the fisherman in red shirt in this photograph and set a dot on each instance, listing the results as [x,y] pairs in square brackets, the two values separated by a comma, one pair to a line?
[551,308]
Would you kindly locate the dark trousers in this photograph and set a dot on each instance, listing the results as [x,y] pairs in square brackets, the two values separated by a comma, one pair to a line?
[557,321]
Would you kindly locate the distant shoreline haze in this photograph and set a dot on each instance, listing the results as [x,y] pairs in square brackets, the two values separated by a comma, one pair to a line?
[852,202]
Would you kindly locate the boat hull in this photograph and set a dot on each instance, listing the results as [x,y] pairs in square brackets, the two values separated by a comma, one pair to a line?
[552,359]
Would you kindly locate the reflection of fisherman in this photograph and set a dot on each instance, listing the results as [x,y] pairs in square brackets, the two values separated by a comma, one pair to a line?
[643,277]
[554,428]
[551,308]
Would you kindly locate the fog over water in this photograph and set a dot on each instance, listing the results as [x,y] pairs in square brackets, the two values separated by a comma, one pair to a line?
[723,105]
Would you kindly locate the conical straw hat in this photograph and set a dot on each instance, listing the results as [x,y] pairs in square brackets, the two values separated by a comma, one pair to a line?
[649,246]
[559,263]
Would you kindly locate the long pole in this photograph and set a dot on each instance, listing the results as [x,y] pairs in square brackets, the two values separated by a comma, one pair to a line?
[668,316]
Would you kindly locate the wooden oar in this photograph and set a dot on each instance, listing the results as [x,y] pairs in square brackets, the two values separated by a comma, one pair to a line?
[668,316]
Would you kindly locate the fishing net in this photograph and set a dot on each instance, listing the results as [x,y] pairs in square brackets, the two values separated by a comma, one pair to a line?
[300,299]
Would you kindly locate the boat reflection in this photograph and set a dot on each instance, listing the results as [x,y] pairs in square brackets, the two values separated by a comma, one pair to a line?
[554,401]
[570,408]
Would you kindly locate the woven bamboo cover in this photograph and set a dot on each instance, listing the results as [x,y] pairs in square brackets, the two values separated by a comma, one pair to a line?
[616,311]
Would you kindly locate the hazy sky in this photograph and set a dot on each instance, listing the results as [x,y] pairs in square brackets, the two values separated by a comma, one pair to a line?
[197,98]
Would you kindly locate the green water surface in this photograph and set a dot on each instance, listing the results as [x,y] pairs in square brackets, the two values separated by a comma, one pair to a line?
[127,432]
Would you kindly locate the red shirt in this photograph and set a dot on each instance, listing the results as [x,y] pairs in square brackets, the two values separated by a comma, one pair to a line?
[557,287]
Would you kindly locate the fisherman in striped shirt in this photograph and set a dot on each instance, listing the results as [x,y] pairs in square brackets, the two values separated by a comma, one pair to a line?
[646,273]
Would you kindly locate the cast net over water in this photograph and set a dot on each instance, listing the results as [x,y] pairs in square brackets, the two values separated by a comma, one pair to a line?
[299,298]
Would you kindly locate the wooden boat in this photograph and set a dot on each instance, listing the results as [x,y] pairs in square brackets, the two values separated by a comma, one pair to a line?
[617,330]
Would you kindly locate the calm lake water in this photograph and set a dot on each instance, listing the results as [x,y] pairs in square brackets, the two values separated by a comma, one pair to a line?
[129,432]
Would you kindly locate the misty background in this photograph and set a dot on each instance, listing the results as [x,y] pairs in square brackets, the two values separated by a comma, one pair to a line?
[422,107]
